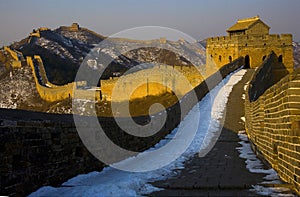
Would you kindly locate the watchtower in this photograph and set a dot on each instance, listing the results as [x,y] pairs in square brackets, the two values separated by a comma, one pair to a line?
[249,38]
[74,27]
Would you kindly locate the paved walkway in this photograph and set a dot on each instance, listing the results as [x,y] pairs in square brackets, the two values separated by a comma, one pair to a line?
[221,172]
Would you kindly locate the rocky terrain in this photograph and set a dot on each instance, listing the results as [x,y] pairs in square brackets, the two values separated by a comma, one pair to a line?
[18,91]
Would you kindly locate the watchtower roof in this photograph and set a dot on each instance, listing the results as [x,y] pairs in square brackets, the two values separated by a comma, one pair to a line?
[244,24]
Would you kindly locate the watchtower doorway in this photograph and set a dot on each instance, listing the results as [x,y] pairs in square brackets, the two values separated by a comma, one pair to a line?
[247,62]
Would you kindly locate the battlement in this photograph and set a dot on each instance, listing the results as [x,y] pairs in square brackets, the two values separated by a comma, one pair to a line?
[220,40]
[249,38]
[73,27]
[37,33]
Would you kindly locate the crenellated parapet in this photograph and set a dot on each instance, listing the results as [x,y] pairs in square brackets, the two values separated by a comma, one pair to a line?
[256,40]
[37,33]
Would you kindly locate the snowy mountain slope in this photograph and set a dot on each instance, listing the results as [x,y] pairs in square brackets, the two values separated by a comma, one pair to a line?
[63,51]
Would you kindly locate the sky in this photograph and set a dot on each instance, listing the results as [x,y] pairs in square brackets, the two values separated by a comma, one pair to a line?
[198,18]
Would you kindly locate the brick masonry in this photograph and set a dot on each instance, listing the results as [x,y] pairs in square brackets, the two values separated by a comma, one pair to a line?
[272,113]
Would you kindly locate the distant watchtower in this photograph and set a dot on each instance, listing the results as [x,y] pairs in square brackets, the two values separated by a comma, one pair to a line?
[74,27]
[249,38]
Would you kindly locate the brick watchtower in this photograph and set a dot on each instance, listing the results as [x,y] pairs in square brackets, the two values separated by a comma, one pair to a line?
[249,38]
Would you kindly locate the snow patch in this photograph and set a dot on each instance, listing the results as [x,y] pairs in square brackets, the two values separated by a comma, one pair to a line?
[243,96]
[243,119]
[254,165]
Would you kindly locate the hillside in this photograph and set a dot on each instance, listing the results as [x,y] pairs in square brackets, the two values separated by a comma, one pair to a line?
[64,49]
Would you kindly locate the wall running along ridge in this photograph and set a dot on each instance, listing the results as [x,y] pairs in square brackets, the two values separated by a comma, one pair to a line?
[51,92]
[17,57]
[46,90]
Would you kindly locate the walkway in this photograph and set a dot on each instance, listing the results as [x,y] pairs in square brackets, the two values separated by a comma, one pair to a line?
[221,172]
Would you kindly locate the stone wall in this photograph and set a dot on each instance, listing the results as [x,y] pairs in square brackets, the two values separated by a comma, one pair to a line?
[17,57]
[151,82]
[50,93]
[39,152]
[273,122]
[42,72]
[40,149]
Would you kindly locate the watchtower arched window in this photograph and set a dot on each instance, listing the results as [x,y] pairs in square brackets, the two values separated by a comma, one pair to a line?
[230,59]
[220,58]
[264,57]
[280,58]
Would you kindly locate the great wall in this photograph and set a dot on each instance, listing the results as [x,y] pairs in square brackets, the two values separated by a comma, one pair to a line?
[272,112]
[272,115]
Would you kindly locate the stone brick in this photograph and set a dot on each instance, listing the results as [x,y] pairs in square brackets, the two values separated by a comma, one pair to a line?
[281,126]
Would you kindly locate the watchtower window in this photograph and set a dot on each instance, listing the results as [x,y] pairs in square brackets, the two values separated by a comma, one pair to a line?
[230,59]
[280,58]
[220,58]
[264,57]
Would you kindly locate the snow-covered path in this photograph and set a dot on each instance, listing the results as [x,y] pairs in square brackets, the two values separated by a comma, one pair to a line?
[113,182]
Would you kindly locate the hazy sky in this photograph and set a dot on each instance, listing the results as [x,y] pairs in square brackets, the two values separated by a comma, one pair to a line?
[198,18]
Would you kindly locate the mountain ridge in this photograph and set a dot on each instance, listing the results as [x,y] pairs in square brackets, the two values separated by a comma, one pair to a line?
[64,49]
